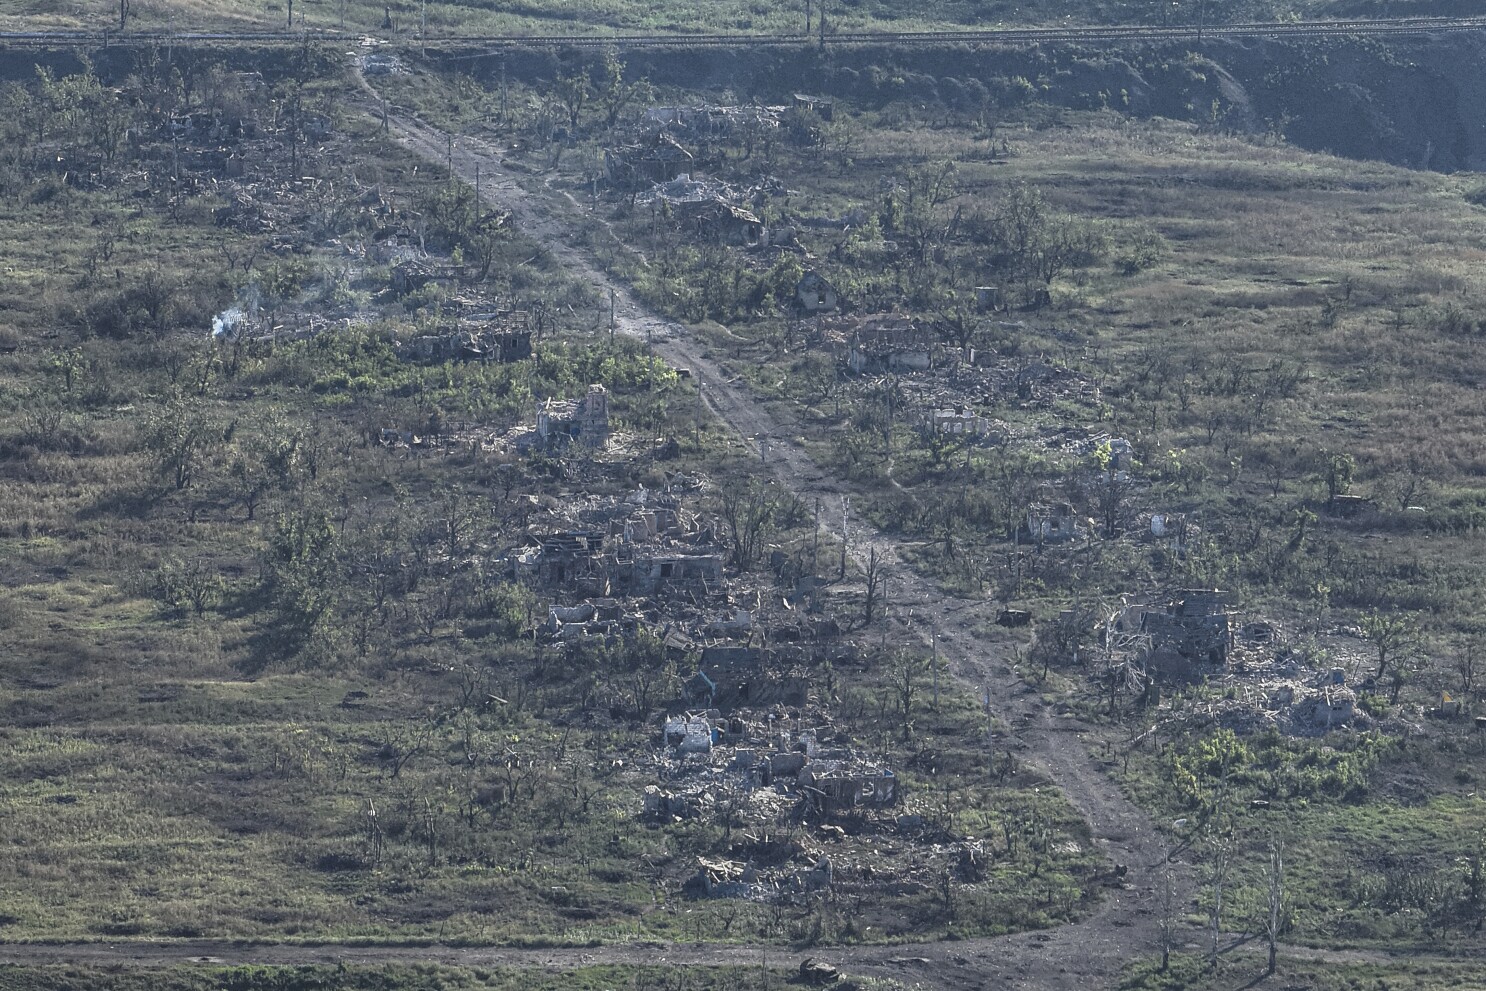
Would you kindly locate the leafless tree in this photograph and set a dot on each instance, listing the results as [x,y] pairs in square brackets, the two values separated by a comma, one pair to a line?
[904,678]
[1465,667]
[1220,847]
[751,512]
[1275,918]
[1168,915]
[1394,637]
[876,579]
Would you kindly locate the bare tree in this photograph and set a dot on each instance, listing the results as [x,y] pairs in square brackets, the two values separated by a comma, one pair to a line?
[1220,845]
[1168,915]
[876,580]
[1275,918]
[905,676]
[406,741]
[751,513]
[1465,667]
[1112,496]
[1394,637]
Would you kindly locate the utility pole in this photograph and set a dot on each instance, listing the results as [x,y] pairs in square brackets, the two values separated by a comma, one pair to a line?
[291,15]
[807,19]
[822,25]
[503,92]
[612,295]
[449,154]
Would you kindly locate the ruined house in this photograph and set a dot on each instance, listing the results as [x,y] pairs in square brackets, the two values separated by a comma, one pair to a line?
[1196,626]
[558,558]
[889,344]
[815,295]
[413,274]
[831,787]
[689,733]
[658,158]
[958,421]
[585,421]
[653,571]
[729,676]
[720,223]
[484,346]
[1050,523]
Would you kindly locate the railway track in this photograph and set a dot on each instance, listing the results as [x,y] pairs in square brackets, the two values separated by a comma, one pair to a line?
[1112,35]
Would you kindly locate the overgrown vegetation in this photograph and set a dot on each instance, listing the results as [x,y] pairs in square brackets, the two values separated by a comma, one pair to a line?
[1247,316]
[272,675]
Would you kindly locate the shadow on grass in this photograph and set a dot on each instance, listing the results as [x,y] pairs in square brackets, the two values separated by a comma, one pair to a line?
[129,503]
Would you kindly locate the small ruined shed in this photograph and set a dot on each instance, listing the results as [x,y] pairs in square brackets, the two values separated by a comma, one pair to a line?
[1054,522]
[822,106]
[814,294]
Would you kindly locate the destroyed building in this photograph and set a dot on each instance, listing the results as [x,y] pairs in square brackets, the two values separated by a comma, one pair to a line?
[889,343]
[705,120]
[657,158]
[731,676]
[1051,523]
[720,223]
[1193,627]
[958,422]
[822,106]
[814,294]
[584,421]
[652,571]
[413,274]
[557,558]
[498,346]
[832,787]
